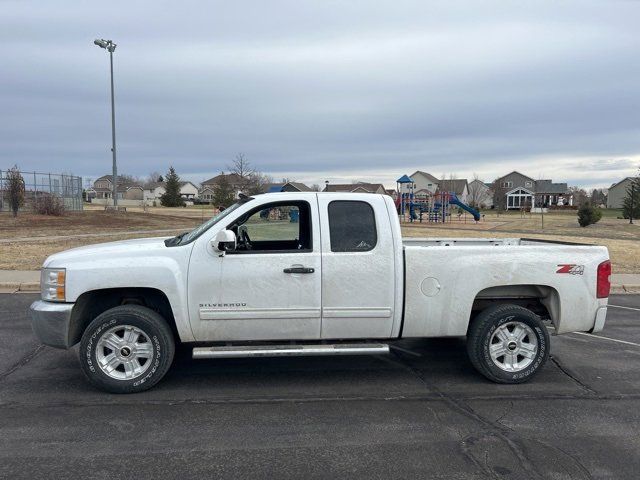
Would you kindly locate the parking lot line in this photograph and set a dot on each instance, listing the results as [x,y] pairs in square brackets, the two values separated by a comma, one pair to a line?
[607,338]
[626,308]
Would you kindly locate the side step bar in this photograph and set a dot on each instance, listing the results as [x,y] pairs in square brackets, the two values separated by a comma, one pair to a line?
[290,350]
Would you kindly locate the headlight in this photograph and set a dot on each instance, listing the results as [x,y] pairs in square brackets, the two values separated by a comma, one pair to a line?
[52,282]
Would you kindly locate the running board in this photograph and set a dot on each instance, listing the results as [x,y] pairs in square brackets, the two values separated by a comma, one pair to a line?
[290,350]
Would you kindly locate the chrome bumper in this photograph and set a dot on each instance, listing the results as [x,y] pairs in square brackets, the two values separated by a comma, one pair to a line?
[50,322]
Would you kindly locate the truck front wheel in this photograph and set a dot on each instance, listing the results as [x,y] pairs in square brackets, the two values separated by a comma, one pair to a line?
[126,349]
[508,343]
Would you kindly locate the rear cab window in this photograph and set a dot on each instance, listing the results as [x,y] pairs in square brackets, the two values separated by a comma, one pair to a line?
[352,226]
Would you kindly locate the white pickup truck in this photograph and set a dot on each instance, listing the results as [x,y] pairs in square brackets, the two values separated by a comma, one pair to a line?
[313,274]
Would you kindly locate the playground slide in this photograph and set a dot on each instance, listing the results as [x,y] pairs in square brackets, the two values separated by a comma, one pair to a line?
[453,200]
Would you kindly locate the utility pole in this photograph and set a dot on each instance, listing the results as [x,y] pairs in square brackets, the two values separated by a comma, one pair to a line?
[110,47]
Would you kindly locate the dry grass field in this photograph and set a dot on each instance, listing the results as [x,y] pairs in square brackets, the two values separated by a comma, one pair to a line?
[26,241]
[622,239]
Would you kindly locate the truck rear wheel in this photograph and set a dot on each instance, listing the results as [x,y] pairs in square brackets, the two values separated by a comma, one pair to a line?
[508,343]
[126,349]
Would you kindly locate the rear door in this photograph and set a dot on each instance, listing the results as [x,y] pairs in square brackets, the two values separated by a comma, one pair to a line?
[358,267]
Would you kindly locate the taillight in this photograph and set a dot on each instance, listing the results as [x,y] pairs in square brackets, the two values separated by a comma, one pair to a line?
[604,283]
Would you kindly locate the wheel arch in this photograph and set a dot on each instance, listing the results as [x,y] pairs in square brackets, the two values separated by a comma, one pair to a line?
[543,300]
[94,302]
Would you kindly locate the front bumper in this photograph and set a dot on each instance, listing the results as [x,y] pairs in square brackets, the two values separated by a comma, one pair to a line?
[51,321]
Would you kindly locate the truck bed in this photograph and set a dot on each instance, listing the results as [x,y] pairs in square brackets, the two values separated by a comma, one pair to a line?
[445,276]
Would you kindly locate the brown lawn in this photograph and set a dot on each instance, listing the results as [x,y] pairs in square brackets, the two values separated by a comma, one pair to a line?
[26,241]
[622,239]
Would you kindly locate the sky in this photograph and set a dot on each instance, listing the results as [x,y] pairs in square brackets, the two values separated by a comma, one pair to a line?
[316,91]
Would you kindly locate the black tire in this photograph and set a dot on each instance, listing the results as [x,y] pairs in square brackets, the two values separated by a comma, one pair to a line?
[160,354]
[481,333]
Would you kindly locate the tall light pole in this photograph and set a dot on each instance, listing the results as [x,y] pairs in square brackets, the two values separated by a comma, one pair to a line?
[110,47]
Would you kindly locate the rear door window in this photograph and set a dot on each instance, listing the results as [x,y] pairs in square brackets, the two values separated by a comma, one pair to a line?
[352,226]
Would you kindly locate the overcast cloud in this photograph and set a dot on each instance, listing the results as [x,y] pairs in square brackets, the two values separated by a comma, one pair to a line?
[325,90]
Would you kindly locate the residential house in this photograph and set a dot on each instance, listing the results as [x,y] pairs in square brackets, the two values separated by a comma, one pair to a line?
[550,194]
[286,187]
[360,187]
[206,194]
[515,190]
[103,189]
[233,179]
[423,182]
[153,191]
[480,194]
[208,187]
[459,186]
[618,192]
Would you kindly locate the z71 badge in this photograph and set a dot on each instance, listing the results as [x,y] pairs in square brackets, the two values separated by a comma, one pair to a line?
[571,269]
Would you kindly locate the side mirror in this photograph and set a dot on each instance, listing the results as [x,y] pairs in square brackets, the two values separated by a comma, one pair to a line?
[224,241]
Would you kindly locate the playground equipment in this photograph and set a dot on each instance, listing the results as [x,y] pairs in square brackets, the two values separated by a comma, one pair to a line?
[454,201]
[436,205]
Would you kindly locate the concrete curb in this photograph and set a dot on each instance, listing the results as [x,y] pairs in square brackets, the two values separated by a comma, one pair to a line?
[622,289]
[20,286]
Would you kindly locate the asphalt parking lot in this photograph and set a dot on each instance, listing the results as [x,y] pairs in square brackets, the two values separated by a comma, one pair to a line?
[420,413]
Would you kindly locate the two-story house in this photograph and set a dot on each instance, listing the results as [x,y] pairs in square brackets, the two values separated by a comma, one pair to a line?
[515,190]
[102,189]
[424,184]
[618,192]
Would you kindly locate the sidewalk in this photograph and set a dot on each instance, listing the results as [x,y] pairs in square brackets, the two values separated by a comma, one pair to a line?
[623,283]
[29,281]
[19,280]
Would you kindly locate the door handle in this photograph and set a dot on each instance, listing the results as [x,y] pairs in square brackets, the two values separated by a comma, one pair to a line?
[299,270]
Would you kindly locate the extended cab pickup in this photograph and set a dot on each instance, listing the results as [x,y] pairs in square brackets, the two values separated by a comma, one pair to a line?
[313,274]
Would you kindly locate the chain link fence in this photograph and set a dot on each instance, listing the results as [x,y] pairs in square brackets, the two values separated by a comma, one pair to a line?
[38,186]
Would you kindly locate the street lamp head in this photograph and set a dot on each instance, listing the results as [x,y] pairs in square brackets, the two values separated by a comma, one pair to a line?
[106,44]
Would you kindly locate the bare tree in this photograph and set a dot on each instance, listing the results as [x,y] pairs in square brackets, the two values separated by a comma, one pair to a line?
[252,181]
[256,183]
[316,188]
[242,167]
[580,196]
[598,197]
[153,177]
[128,179]
[499,195]
[477,192]
[15,187]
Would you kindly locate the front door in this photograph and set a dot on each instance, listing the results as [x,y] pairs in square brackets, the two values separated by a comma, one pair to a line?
[269,288]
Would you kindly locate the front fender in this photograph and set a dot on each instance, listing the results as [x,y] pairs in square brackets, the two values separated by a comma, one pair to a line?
[168,275]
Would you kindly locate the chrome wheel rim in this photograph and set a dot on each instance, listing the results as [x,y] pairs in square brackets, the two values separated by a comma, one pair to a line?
[513,346]
[124,352]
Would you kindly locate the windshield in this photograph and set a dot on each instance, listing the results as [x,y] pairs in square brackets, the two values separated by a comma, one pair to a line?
[187,237]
